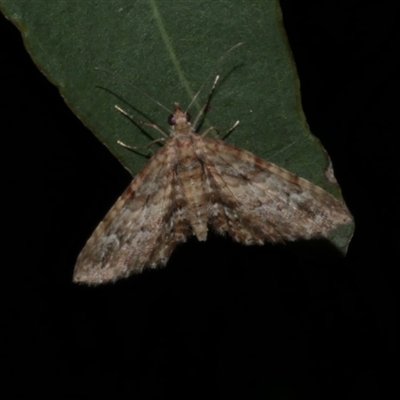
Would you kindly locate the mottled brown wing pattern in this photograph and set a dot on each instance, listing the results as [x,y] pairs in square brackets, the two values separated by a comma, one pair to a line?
[193,183]
[134,233]
[256,201]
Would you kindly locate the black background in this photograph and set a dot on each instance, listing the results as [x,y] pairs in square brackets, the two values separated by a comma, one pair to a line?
[222,319]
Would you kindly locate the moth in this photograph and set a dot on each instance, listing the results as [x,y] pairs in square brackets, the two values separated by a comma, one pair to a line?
[195,183]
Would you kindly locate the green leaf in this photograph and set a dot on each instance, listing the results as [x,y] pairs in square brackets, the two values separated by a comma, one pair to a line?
[167,49]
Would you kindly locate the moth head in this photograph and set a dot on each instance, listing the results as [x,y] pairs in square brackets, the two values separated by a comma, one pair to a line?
[179,118]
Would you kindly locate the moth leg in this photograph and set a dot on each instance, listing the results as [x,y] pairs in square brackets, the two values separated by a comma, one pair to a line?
[230,130]
[154,126]
[203,111]
[208,130]
[225,135]
[206,105]
[135,148]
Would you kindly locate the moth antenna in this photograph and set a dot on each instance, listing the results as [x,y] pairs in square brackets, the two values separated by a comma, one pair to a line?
[212,73]
[133,86]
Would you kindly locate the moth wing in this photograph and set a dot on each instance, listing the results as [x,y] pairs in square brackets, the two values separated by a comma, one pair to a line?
[256,201]
[141,229]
